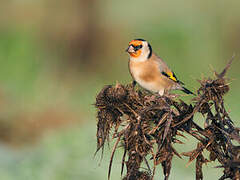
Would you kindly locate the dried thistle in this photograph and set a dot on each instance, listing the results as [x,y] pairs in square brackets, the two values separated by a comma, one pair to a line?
[147,125]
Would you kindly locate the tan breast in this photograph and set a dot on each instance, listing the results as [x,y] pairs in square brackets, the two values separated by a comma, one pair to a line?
[148,75]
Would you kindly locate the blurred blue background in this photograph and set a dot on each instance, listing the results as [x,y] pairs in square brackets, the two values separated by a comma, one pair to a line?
[55,56]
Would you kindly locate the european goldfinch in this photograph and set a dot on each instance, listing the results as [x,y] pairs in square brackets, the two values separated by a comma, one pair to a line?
[150,71]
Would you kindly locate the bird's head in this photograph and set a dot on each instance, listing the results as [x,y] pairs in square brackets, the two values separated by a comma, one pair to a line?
[139,50]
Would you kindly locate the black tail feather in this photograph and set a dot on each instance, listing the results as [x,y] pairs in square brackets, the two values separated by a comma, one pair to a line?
[187,91]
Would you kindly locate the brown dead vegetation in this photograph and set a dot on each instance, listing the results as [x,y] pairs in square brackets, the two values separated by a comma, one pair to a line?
[146,125]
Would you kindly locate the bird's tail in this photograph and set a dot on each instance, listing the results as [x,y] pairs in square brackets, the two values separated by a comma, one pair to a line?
[187,91]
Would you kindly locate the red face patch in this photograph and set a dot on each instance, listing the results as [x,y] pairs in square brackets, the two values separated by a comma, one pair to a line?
[135,43]
[135,54]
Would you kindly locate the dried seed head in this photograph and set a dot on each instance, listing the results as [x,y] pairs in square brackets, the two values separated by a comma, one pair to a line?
[204,108]
[152,123]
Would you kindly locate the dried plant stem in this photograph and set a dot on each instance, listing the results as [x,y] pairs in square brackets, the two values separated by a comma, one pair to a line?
[148,126]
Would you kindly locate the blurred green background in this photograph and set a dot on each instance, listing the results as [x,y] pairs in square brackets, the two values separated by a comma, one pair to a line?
[55,56]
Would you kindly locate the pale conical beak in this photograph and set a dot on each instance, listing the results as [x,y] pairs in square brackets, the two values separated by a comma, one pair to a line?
[130,49]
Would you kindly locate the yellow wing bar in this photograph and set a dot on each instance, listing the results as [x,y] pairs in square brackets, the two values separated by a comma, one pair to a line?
[170,75]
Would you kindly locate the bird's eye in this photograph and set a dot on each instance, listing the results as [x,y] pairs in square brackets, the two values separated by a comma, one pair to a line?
[137,47]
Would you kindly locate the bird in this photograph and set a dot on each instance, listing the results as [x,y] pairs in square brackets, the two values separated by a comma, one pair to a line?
[150,71]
